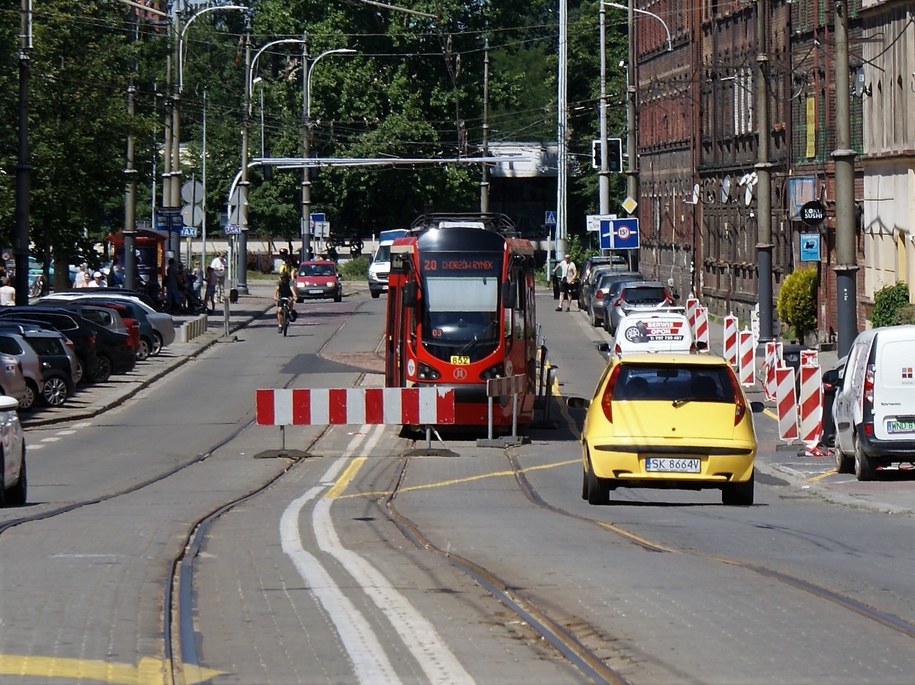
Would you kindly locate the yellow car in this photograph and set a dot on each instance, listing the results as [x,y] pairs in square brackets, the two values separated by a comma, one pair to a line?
[668,421]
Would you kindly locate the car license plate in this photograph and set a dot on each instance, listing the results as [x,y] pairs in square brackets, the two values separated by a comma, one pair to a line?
[315,291]
[671,465]
[460,360]
[896,427]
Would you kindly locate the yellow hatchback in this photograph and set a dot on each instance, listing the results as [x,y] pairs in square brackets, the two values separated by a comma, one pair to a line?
[668,421]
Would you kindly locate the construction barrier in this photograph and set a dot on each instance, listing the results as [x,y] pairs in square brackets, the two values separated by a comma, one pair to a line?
[355,406]
[786,403]
[811,405]
[730,339]
[810,357]
[702,331]
[692,304]
[509,386]
[773,359]
[747,352]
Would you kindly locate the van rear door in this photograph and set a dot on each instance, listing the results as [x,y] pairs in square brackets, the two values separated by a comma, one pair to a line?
[894,385]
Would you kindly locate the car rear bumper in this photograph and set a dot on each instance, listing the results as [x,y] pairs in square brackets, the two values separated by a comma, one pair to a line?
[887,450]
[717,464]
[317,292]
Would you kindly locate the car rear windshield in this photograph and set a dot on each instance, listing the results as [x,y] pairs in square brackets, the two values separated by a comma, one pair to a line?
[647,294]
[664,382]
[46,346]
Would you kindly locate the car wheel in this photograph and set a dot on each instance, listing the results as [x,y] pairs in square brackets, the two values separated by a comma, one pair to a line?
[80,371]
[143,351]
[606,323]
[102,369]
[598,490]
[338,297]
[55,391]
[865,468]
[31,394]
[844,463]
[2,482]
[591,318]
[739,494]
[18,494]
[584,484]
[157,343]
[375,294]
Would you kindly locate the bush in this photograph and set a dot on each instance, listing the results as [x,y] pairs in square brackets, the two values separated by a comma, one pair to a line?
[354,269]
[889,303]
[797,302]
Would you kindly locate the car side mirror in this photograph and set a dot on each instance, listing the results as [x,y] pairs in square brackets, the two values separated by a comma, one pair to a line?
[757,407]
[701,345]
[603,347]
[577,403]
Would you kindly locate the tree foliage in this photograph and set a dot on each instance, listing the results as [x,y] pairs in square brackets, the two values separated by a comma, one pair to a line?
[413,89]
[797,301]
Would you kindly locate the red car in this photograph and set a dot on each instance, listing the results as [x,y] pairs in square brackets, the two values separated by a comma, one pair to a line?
[318,279]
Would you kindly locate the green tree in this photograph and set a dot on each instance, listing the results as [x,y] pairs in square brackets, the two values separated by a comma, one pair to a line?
[796,304]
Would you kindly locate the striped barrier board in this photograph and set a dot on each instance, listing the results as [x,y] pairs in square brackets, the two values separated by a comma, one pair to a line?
[773,359]
[354,406]
[811,405]
[730,339]
[692,304]
[747,353]
[810,358]
[507,386]
[786,403]
[702,331]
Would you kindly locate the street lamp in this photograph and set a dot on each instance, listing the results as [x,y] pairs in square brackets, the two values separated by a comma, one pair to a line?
[306,145]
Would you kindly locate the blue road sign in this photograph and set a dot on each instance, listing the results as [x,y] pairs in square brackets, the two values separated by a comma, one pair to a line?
[188,231]
[619,234]
[316,216]
[810,247]
[550,219]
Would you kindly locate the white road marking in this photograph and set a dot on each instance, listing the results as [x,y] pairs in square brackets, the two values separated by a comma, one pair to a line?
[370,663]
[419,635]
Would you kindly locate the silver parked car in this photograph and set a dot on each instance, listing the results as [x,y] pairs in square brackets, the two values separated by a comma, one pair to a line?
[12,380]
[12,343]
[13,474]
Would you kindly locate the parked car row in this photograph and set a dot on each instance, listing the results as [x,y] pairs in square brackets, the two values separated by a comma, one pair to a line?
[49,348]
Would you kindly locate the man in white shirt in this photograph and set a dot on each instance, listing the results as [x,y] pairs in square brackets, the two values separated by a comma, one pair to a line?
[219,268]
[7,294]
[567,275]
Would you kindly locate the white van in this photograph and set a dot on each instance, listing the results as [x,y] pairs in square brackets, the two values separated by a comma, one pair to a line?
[663,330]
[380,266]
[874,407]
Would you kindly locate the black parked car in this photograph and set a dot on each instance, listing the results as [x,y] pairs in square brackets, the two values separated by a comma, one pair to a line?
[113,352]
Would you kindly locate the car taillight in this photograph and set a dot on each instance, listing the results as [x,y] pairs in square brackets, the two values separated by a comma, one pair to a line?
[92,339]
[869,384]
[606,400]
[599,295]
[619,302]
[740,407]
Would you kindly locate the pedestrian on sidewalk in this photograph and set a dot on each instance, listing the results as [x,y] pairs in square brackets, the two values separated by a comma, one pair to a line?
[567,275]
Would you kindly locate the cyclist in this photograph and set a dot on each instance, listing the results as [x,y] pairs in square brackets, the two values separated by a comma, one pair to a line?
[282,291]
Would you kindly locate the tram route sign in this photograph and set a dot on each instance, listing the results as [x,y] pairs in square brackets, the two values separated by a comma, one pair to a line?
[619,234]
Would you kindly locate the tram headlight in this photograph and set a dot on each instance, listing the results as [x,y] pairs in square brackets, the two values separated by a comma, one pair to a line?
[427,373]
[497,371]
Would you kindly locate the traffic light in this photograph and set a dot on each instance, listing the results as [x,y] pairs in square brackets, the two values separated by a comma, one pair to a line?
[614,154]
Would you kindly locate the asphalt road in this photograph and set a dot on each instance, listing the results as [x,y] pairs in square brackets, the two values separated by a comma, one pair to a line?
[170,539]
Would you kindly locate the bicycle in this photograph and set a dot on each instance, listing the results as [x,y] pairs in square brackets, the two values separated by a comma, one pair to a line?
[286,314]
[37,286]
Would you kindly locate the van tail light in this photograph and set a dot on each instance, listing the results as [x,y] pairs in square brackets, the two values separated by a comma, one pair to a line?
[868,428]
[869,384]
[606,400]
[740,406]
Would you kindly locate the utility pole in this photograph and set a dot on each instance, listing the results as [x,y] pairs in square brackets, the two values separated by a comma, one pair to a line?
[484,177]
[847,264]
[562,141]
[764,174]
[306,153]
[242,256]
[130,195]
[23,167]
[604,178]
[174,239]
[632,168]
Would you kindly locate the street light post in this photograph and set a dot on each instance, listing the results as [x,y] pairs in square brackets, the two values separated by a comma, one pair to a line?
[306,139]
[241,258]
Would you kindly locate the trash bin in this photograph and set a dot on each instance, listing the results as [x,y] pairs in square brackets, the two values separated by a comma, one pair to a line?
[791,356]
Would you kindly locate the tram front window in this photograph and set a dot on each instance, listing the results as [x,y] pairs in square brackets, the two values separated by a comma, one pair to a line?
[461,316]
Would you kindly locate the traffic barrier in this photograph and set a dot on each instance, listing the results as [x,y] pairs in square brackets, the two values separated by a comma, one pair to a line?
[509,386]
[701,332]
[786,403]
[355,406]
[691,305]
[773,359]
[747,354]
[811,405]
[810,357]
[730,339]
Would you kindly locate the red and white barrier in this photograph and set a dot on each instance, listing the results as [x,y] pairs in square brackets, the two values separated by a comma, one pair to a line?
[810,358]
[811,405]
[701,332]
[773,359]
[747,353]
[355,406]
[786,403]
[730,339]
[507,386]
[692,304]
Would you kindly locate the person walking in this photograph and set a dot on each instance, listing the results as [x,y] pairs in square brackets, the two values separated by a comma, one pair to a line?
[219,266]
[568,272]
[210,293]
[7,293]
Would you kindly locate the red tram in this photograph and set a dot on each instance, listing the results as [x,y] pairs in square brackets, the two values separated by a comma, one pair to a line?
[461,311]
